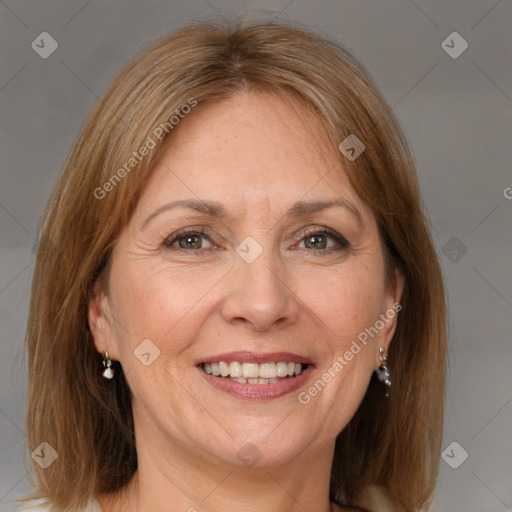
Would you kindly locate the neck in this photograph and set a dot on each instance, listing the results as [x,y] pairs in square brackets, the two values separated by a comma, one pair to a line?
[194,483]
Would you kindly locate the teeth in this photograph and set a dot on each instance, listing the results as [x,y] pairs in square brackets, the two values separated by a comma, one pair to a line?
[268,370]
[224,369]
[256,381]
[250,370]
[282,369]
[253,373]
[235,369]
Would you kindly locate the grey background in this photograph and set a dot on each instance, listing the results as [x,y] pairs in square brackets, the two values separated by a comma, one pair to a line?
[455,112]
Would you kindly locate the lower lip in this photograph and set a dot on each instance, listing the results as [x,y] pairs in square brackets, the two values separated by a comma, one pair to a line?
[258,391]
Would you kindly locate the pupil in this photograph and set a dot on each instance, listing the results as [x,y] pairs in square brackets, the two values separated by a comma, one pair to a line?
[190,242]
[318,241]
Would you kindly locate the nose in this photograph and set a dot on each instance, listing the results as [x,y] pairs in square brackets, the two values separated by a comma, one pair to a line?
[260,296]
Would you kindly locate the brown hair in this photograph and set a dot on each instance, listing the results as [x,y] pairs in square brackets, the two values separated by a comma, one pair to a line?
[87,419]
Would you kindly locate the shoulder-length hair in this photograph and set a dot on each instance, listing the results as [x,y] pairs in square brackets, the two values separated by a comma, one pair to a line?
[87,420]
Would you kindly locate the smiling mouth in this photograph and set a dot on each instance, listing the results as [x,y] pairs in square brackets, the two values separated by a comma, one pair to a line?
[254,373]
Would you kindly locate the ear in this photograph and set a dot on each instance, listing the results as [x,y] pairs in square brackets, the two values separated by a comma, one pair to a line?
[99,316]
[390,311]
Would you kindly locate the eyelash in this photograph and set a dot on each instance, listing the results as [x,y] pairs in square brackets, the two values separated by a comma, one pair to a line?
[340,240]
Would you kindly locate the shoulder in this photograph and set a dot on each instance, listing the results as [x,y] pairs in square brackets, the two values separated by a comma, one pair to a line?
[43,505]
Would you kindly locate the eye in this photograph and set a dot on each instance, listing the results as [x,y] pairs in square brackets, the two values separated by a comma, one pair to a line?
[189,240]
[323,239]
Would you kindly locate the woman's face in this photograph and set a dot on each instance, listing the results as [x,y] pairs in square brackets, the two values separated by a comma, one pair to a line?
[248,246]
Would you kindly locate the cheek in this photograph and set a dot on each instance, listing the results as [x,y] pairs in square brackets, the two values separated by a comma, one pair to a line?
[158,302]
[158,320]
[349,303]
[346,311]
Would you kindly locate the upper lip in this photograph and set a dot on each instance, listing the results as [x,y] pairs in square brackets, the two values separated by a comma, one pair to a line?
[255,357]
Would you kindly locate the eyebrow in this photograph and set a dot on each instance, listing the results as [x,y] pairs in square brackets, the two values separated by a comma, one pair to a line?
[216,210]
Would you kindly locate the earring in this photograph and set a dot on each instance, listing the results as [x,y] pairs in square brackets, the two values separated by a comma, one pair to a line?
[383,371]
[108,372]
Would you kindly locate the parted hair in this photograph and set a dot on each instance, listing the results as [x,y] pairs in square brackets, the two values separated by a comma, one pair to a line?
[88,420]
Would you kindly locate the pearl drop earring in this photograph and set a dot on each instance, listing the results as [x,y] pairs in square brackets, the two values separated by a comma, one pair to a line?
[108,372]
[383,371]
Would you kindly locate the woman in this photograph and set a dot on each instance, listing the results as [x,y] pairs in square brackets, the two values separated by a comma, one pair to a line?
[242,307]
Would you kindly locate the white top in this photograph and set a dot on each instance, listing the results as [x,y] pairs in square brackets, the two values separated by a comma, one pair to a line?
[42,505]
[374,500]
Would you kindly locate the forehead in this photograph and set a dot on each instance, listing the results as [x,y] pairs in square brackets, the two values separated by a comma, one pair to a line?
[254,149]
[264,125]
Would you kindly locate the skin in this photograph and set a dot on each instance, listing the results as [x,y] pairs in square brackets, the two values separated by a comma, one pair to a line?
[257,155]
